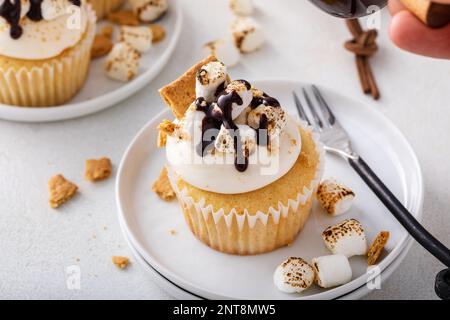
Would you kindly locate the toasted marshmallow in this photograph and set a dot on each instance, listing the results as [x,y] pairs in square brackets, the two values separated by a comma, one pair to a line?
[293,276]
[209,78]
[224,50]
[149,10]
[140,38]
[242,118]
[332,270]
[122,63]
[334,197]
[276,120]
[225,139]
[245,93]
[52,9]
[247,34]
[347,238]
[242,7]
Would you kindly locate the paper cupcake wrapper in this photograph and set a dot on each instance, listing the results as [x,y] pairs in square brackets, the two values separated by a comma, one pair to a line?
[104,7]
[248,234]
[281,210]
[54,82]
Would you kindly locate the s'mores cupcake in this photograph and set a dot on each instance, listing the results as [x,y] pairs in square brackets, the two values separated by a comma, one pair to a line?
[104,7]
[244,172]
[45,49]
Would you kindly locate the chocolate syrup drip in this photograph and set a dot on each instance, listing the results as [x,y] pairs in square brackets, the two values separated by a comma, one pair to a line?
[263,129]
[265,100]
[220,112]
[10,11]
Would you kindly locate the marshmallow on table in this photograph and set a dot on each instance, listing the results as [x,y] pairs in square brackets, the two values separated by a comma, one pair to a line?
[347,238]
[122,63]
[149,10]
[293,276]
[332,270]
[140,38]
[209,78]
[334,197]
[242,7]
[224,50]
[241,88]
[247,34]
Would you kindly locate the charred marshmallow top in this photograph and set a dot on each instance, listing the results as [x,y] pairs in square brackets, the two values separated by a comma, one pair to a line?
[233,138]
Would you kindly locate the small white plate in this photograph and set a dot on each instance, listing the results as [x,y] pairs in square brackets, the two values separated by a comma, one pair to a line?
[188,263]
[182,294]
[100,92]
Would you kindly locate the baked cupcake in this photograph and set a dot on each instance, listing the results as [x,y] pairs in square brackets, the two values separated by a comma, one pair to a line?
[44,50]
[243,170]
[104,7]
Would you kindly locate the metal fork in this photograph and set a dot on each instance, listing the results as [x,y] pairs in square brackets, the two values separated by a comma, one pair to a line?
[337,141]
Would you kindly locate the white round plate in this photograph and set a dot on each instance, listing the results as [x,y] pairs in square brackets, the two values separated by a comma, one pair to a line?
[100,92]
[191,265]
[182,294]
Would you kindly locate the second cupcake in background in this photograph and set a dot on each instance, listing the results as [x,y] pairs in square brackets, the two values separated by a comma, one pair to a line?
[45,50]
[243,171]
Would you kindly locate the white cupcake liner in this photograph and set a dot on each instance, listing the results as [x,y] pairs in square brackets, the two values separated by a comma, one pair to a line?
[54,82]
[281,211]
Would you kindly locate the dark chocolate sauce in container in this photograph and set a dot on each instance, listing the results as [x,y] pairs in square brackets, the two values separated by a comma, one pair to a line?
[349,8]
[10,11]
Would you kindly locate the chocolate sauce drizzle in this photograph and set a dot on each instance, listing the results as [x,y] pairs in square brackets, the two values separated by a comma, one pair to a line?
[219,113]
[10,11]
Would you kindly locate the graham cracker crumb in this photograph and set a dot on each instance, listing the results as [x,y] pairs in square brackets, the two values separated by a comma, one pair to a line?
[120,262]
[162,186]
[159,33]
[376,247]
[101,46]
[124,18]
[60,190]
[173,232]
[98,169]
[107,31]
[162,139]
[179,94]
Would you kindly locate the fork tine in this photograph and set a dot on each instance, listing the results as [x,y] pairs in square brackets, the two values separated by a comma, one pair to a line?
[314,113]
[324,105]
[300,109]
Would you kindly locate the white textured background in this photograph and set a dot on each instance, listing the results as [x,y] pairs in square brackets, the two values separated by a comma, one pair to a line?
[38,243]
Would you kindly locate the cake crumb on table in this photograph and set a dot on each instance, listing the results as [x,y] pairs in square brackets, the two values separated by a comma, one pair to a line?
[377,246]
[60,190]
[173,232]
[98,169]
[162,186]
[120,262]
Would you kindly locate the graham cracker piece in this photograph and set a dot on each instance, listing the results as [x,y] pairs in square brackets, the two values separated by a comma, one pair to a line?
[165,128]
[60,190]
[162,186]
[124,18]
[101,47]
[179,94]
[98,169]
[158,31]
[376,247]
[120,262]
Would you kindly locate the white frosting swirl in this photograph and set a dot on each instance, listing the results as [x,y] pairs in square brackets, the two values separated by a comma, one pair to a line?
[211,174]
[62,27]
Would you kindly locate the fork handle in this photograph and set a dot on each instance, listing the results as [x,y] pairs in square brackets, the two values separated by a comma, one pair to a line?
[406,219]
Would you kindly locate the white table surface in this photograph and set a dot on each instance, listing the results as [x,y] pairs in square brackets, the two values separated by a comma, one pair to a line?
[37,243]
